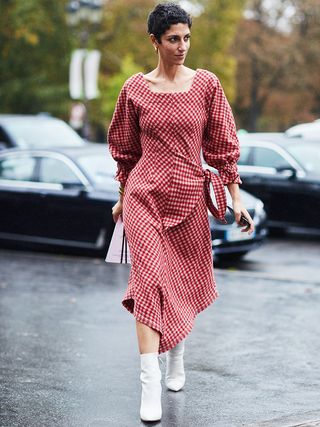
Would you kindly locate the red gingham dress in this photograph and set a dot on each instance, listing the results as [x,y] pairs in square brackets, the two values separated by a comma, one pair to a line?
[156,139]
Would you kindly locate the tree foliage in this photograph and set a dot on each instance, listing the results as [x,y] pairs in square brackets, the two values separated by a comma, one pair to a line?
[271,74]
[306,48]
[278,58]
[113,84]
[213,32]
[264,57]
[34,56]
[124,32]
[36,47]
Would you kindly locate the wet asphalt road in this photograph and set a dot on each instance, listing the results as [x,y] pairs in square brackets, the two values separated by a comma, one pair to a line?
[69,356]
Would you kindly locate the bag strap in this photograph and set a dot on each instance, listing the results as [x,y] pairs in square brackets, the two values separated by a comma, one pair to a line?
[124,248]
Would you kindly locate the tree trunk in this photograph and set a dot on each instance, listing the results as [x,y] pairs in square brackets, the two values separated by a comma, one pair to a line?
[254,110]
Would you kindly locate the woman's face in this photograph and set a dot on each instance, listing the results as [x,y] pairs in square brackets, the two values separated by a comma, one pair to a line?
[175,43]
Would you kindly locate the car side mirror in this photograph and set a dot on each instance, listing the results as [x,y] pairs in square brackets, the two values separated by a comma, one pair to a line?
[289,171]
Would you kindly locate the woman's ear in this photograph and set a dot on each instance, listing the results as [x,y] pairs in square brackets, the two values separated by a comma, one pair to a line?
[154,42]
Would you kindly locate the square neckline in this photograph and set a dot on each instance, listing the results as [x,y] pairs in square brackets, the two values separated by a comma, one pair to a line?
[171,93]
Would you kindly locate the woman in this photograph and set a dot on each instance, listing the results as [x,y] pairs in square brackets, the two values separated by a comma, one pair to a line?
[161,121]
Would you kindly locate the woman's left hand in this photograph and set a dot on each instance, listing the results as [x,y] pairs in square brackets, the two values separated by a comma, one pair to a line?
[238,210]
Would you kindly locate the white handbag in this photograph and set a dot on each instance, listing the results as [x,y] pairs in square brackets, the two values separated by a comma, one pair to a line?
[118,251]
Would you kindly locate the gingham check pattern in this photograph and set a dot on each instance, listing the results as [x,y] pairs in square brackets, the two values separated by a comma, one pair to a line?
[156,139]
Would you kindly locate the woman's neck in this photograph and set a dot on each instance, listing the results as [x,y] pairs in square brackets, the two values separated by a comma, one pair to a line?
[169,72]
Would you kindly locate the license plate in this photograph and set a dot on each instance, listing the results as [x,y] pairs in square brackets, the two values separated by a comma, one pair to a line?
[236,234]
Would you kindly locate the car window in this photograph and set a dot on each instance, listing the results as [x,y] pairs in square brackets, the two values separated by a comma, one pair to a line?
[244,155]
[56,171]
[266,157]
[307,154]
[99,168]
[17,168]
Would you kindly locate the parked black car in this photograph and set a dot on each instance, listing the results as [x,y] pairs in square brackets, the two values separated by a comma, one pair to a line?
[36,131]
[64,198]
[56,197]
[285,174]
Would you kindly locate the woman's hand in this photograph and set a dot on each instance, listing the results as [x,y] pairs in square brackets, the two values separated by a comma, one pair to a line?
[117,210]
[240,209]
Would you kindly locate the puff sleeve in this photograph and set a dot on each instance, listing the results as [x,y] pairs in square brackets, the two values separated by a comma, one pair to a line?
[221,147]
[123,136]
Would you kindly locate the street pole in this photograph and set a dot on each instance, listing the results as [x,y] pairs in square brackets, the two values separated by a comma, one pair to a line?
[86,14]
[84,37]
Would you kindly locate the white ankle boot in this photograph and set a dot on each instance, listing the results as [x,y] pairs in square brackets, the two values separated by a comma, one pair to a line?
[150,409]
[175,375]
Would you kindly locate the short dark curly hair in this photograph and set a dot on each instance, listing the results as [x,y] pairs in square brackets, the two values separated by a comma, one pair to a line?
[163,16]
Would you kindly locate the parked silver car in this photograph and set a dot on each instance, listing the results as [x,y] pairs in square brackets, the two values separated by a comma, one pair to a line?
[36,131]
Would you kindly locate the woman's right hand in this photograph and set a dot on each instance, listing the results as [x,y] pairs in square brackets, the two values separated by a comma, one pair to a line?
[117,210]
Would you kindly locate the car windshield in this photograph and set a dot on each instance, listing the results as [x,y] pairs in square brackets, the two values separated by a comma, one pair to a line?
[43,133]
[307,154]
[101,170]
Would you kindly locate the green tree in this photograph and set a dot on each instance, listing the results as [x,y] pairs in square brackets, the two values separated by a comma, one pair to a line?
[123,32]
[110,86]
[213,32]
[34,57]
